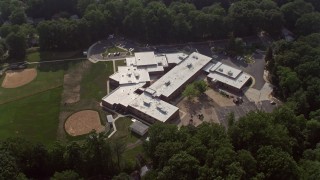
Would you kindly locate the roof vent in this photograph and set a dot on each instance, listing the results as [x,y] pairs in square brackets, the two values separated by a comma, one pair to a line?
[167,83]
[230,73]
[129,74]
[195,57]
[161,109]
[136,75]
[147,103]
[220,69]
[189,65]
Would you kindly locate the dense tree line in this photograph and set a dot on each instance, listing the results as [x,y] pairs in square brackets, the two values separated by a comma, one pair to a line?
[157,20]
[294,68]
[258,146]
[94,158]
[276,145]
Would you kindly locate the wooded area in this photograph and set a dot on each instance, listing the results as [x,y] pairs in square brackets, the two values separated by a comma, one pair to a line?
[279,145]
[276,145]
[74,24]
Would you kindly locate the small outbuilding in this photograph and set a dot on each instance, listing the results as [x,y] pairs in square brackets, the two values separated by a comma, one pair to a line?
[139,128]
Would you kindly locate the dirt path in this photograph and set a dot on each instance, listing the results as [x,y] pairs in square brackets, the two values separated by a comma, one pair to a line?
[71,93]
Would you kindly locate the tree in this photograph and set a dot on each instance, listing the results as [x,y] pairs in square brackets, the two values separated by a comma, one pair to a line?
[245,132]
[201,86]
[118,148]
[8,166]
[190,91]
[18,17]
[66,175]
[292,11]
[308,23]
[276,164]
[180,166]
[3,50]
[17,45]
[98,156]
[248,163]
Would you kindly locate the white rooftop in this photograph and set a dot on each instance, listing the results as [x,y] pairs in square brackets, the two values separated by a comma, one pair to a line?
[162,61]
[153,107]
[237,82]
[130,74]
[145,58]
[225,70]
[175,58]
[123,95]
[131,61]
[178,75]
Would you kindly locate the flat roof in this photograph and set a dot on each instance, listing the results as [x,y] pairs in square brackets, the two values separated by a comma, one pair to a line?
[145,58]
[226,70]
[152,68]
[162,61]
[180,74]
[123,95]
[139,128]
[130,74]
[237,82]
[175,58]
[153,107]
[131,61]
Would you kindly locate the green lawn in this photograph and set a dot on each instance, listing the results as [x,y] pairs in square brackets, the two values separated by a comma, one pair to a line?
[36,56]
[120,63]
[113,50]
[94,82]
[123,131]
[34,118]
[131,154]
[43,81]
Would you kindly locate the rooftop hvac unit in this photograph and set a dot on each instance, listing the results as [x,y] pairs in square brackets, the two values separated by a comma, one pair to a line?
[161,109]
[167,83]
[136,74]
[220,69]
[230,73]
[189,65]
[146,103]
[129,74]
[195,57]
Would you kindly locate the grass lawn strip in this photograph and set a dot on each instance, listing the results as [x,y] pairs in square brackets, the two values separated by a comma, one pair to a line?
[123,131]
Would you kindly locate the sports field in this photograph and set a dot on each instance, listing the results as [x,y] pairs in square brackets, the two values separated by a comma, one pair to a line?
[36,110]
[34,117]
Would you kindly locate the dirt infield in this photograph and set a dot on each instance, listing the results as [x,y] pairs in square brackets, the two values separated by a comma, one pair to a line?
[83,122]
[19,78]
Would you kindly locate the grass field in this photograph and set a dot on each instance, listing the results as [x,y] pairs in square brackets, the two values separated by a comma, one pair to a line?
[120,63]
[43,81]
[34,118]
[123,131]
[112,50]
[36,56]
[94,82]
[131,154]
